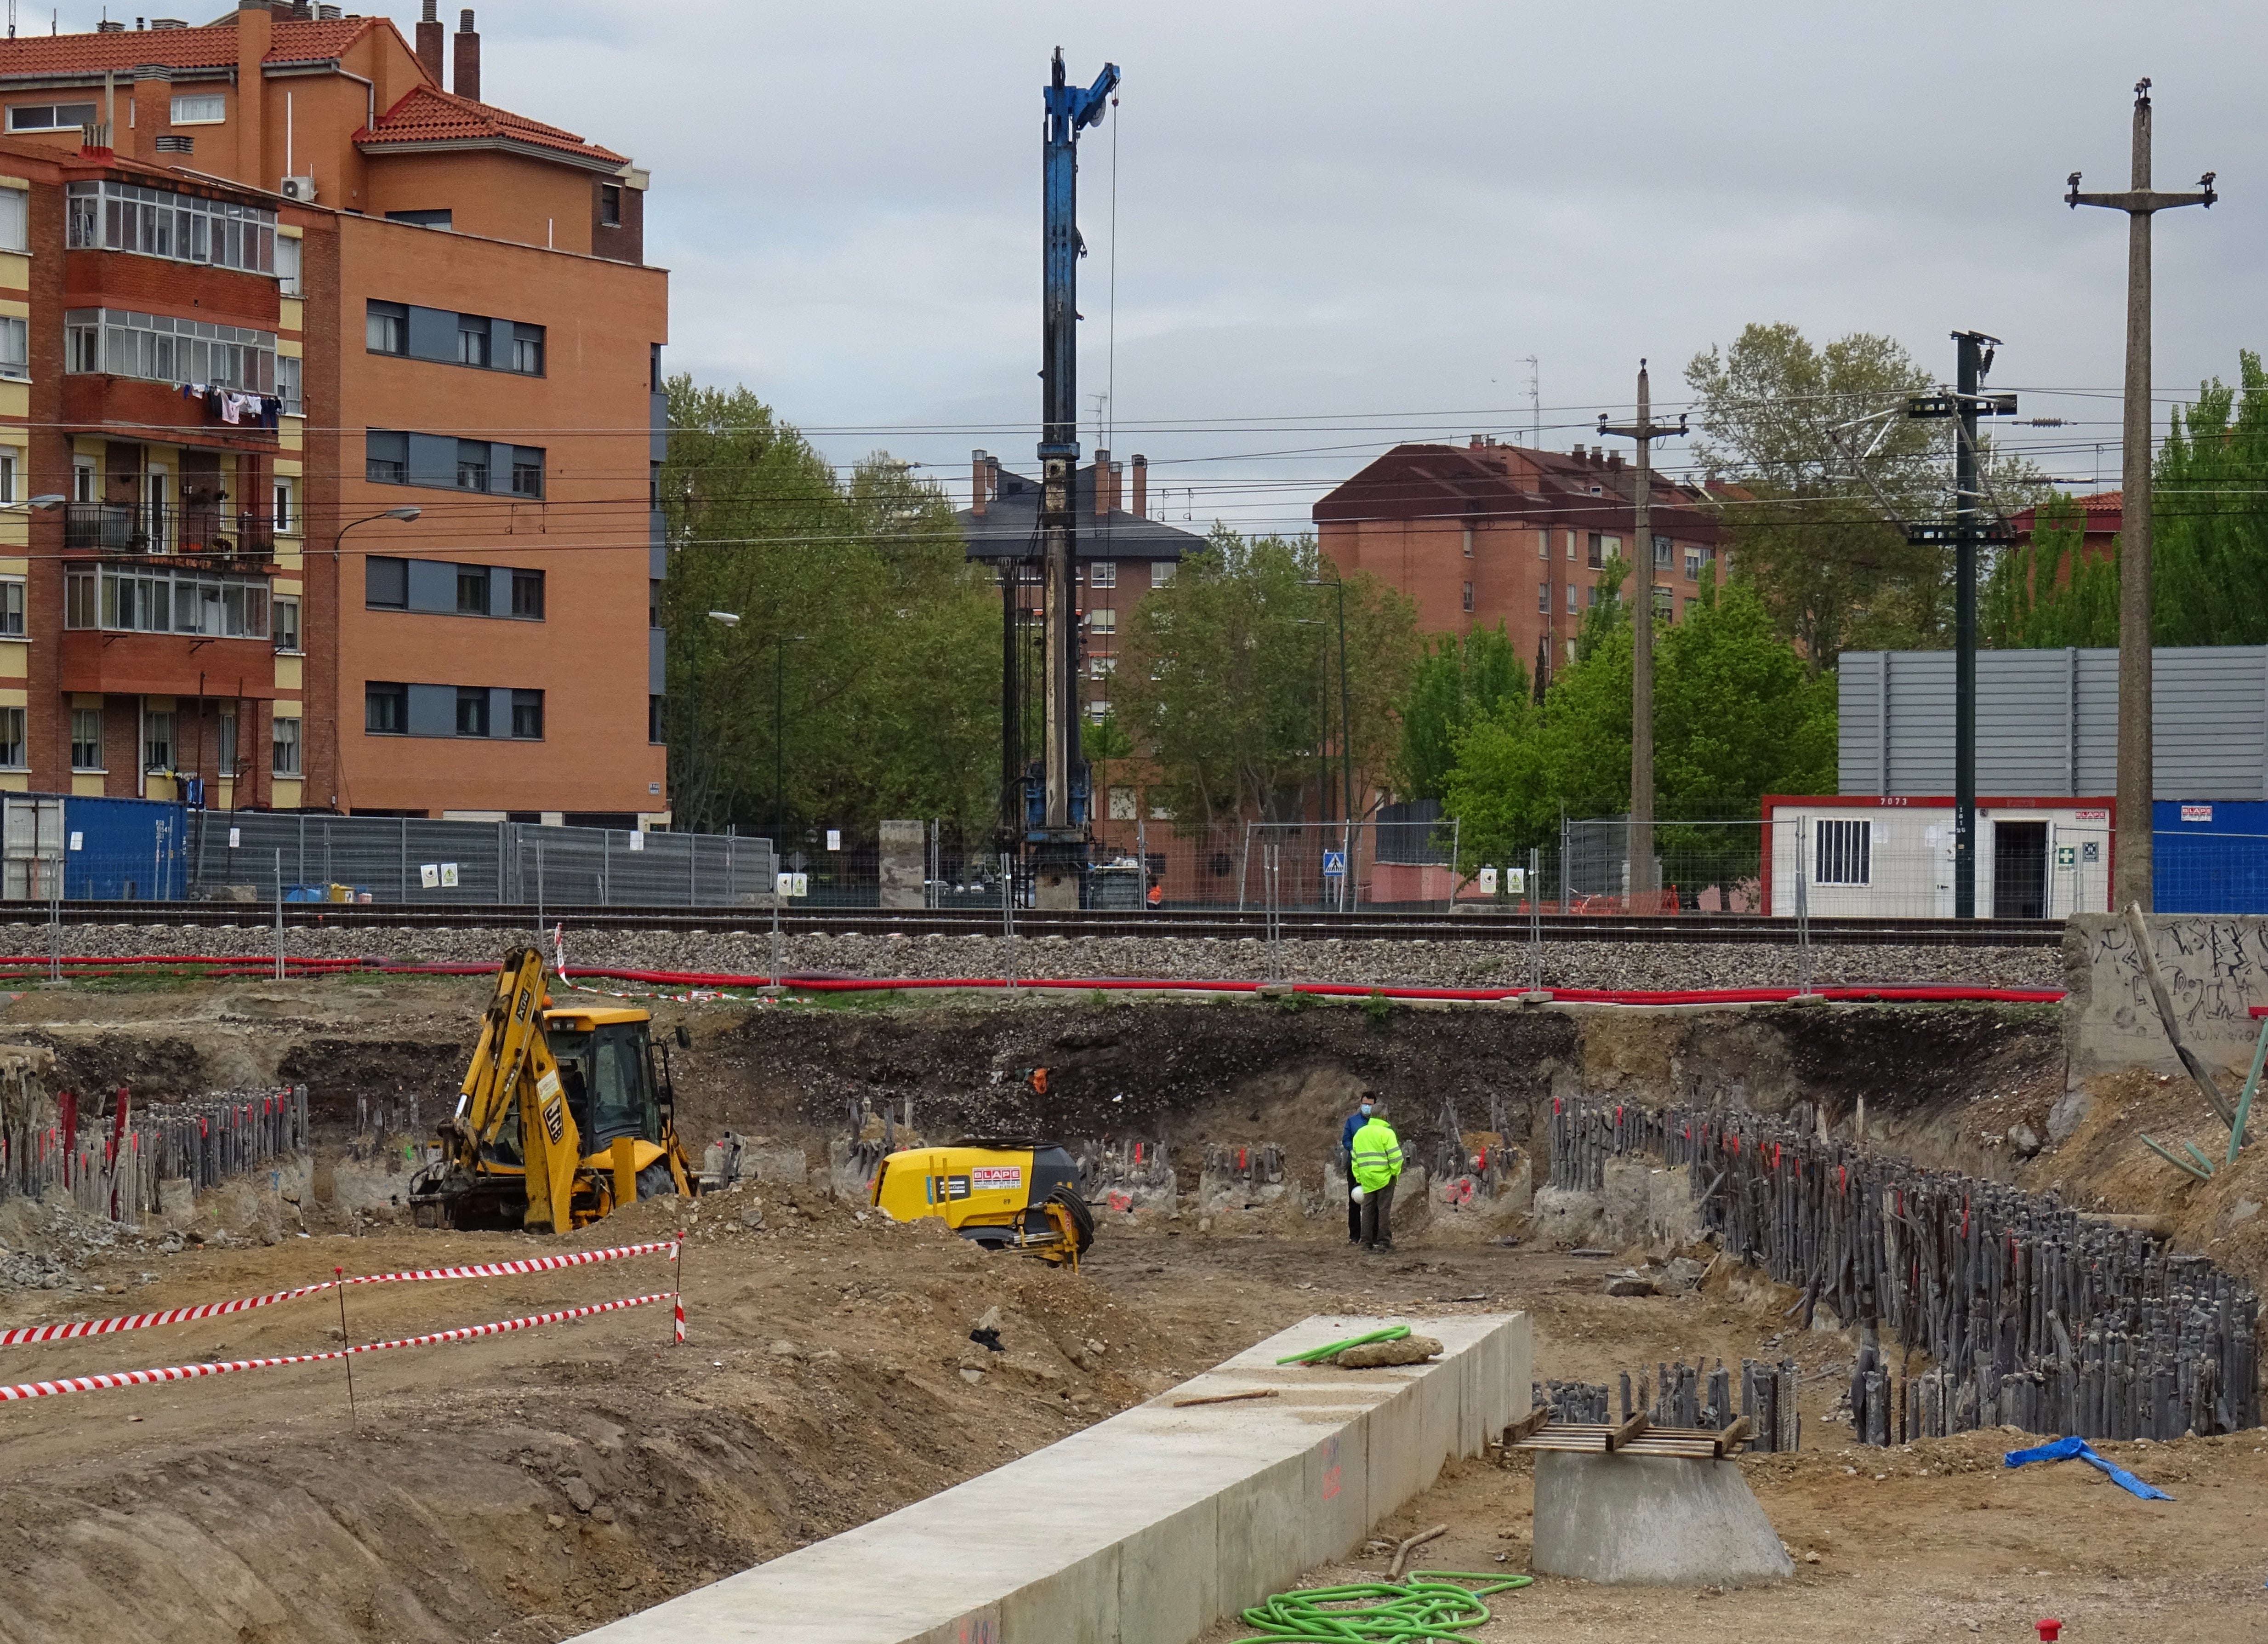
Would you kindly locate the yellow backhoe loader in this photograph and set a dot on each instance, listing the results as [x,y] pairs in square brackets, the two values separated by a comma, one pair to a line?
[564,1117]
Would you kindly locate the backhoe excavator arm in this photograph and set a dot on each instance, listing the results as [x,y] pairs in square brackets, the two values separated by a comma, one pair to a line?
[513,1070]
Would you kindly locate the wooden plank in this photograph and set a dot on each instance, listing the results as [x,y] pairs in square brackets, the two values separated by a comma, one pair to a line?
[1533,1422]
[1625,1432]
[1224,1398]
[1729,1441]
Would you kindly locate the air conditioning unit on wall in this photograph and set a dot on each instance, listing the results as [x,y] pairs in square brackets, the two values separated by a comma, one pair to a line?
[300,188]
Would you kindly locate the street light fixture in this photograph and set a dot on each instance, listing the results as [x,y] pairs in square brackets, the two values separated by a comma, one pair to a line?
[731,619]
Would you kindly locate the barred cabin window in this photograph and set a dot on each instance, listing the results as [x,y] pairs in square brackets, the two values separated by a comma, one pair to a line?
[1841,850]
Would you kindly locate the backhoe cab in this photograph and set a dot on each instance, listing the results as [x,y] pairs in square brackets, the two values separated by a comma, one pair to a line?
[565,1115]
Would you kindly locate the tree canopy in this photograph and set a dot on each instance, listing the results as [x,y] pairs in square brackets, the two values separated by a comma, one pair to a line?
[1228,679]
[2209,548]
[863,635]
[1458,681]
[1737,715]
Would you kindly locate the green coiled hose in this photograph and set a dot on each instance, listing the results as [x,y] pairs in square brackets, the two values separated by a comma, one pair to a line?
[1428,1608]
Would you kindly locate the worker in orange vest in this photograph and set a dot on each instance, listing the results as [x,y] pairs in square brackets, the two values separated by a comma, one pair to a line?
[1157,896]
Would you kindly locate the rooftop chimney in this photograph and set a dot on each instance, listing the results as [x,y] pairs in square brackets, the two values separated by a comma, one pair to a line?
[1117,487]
[153,107]
[468,58]
[1579,451]
[110,28]
[429,40]
[254,29]
[1101,481]
[1615,462]
[979,475]
[991,476]
[1141,509]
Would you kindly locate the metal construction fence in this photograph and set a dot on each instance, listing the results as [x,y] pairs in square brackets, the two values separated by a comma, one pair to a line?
[260,856]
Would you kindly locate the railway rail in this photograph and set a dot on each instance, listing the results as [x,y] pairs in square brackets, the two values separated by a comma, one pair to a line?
[1222,923]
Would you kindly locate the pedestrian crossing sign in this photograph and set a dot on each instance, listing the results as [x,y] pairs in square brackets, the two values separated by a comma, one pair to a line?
[1334,865]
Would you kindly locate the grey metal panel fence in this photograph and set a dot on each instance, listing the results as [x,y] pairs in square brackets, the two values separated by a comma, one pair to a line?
[412,859]
[2047,722]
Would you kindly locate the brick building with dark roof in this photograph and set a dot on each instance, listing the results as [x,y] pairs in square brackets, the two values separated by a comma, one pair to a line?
[1483,533]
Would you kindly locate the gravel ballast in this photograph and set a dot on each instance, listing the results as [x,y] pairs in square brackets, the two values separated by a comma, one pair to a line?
[1665,966]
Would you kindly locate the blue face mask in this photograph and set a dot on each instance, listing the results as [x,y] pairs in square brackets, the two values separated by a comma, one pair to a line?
[1366,1109]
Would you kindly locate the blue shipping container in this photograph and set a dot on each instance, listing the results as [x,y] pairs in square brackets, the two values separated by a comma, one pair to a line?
[2210,857]
[125,850]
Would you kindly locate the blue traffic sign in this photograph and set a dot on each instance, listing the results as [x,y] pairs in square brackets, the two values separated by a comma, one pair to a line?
[1334,865]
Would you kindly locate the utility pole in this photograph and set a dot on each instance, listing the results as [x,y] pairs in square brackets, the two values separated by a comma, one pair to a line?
[1061,836]
[1965,405]
[2132,848]
[1645,431]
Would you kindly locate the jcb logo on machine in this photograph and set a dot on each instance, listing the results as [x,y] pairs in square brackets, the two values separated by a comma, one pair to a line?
[554,1111]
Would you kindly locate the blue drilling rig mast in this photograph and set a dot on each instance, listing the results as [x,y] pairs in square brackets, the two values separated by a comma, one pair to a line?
[1060,839]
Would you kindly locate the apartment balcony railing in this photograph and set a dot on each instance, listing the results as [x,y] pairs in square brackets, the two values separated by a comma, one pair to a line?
[208,531]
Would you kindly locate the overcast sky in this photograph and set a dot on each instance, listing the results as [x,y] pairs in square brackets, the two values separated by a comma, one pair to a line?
[1340,224]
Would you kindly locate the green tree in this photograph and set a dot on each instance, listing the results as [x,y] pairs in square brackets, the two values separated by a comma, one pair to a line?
[1228,677]
[1737,715]
[1457,680]
[2209,556]
[863,634]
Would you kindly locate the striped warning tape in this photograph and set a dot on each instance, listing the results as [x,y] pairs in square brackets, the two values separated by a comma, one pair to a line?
[193,1372]
[215,1309]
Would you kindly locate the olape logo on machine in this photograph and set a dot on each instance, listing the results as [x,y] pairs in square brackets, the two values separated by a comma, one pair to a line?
[997,1179]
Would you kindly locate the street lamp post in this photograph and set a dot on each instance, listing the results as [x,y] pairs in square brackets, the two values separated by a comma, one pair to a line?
[338,650]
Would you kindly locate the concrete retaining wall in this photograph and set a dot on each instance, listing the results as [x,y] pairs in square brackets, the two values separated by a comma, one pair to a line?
[1145,1529]
[2215,968]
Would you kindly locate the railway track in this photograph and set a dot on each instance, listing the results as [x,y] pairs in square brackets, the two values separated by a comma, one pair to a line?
[1223,924]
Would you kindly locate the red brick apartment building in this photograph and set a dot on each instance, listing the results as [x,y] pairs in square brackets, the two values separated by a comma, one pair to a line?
[266,287]
[1483,534]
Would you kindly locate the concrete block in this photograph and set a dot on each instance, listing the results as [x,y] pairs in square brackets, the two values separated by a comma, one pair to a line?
[904,864]
[1145,1529]
[1637,1521]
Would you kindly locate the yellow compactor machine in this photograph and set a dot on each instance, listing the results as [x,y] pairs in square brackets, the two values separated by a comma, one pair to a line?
[1001,1195]
[565,1116]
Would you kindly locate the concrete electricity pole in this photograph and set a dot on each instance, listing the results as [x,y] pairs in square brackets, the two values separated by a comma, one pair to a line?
[1645,431]
[2132,879]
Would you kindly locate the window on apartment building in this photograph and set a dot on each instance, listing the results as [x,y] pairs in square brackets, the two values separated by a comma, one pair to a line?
[110,215]
[1662,604]
[287,265]
[1543,545]
[1122,805]
[15,220]
[387,328]
[654,726]
[1571,598]
[1543,598]
[87,739]
[159,348]
[13,740]
[1842,848]
[1590,596]
[82,479]
[472,710]
[423,219]
[1161,573]
[527,349]
[1469,596]
[1103,574]
[654,602]
[527,597]
[472,341]
[80,600]
[157,740]
[9,469]
[1613,546]
[283,747]
[285,495]
[15,348]
[472,464]
[225,740]
[528,715]
[11,608]
[610,205]
[1597,556]
[1662,560]
[124,598]
[1692,564]
[287,385]
[52,116]
[1103,622]
[208,110]
[286,618]
[1098,711]
[1101,667]
[1469,542]
[385,709]
[473,590]
[526,471]
[386,583]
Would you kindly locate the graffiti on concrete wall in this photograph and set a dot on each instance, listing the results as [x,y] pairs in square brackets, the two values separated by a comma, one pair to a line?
[2215,970]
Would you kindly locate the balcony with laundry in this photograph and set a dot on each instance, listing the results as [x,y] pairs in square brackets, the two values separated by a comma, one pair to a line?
[190,381]
[130,500]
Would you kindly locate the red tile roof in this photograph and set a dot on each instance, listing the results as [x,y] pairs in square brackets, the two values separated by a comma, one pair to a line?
[2103,513]
[212,46]
[429,114]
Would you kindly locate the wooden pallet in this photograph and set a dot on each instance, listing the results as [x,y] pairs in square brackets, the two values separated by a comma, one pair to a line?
[1637,1436]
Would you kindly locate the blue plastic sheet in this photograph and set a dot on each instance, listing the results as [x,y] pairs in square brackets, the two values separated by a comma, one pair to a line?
[2079,1449]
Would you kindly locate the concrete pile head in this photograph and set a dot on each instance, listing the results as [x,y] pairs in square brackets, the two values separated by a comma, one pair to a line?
[1652,1520]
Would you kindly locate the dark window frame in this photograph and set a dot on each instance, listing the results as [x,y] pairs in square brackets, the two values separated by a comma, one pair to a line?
[527,716]
[381,700]
[472,711]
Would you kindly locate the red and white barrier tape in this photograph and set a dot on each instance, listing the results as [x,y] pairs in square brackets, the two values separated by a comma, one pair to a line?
[215,1310]
[193,1372]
